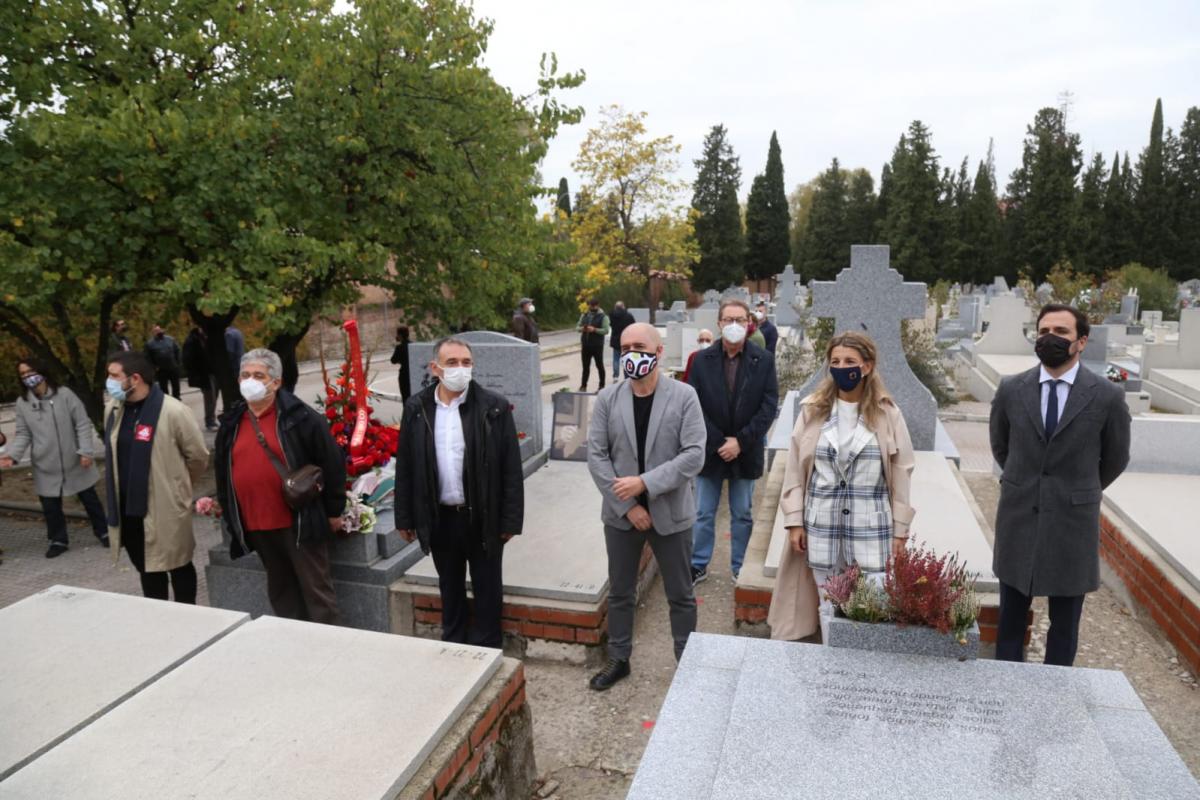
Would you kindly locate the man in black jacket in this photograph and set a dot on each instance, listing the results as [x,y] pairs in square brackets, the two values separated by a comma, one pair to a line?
[618,320]
[163,352]
[735,381]
[460,490]
[293,544]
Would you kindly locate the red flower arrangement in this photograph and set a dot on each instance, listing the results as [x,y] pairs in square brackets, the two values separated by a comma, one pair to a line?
[380,442]
[923,588]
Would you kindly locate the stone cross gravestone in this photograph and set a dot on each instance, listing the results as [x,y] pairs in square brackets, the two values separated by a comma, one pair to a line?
[737,293]
[639,314]
[872,298]
[503,364]
[785,297]
[712,299]
[1095,355]
[1006,317]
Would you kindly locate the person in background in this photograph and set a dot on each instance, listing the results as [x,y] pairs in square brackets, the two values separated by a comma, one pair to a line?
[703,339]
[767,328]
[269,429]
[235,348]
[619,320]
[153,452]
[52,424]
[522,325]
[460,489]
[593,332]
[400,358]
[645,447]
[164,353]
[739,393]
[1061,435]
[118,341]
[845,496]
[199,376]
[754,335]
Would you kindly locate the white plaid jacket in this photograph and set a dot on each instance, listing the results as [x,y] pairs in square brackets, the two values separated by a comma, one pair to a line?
[847,514]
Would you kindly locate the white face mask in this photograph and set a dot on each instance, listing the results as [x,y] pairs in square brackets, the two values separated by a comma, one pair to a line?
[531,308]
[252,390]
[456,379]
[733,333]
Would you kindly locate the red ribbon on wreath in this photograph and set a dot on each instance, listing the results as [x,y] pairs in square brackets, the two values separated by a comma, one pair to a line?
[358,455]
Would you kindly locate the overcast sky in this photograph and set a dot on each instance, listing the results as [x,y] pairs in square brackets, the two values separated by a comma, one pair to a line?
[844,78]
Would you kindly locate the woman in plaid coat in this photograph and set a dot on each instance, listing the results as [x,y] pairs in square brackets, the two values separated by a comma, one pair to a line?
[845,493]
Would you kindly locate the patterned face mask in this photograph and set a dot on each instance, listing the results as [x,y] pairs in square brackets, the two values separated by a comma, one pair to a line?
[638,365]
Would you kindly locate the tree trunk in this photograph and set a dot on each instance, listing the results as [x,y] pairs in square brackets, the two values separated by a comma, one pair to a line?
[218,357]
[284,345]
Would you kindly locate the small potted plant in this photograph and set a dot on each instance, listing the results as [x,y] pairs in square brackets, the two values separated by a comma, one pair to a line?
[926,606]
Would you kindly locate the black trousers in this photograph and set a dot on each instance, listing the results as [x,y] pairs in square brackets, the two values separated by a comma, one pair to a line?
[155,584]
[208,389]
[56,521]
[592,353]
[169,383]
[1061,641]
[455,549]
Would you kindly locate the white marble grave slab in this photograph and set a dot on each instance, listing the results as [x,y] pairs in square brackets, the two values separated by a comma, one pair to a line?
[751,718]
[1152,503]
[944,520]
[996,367]
[1183,381]
[277,709]
[68,655]
[561,553]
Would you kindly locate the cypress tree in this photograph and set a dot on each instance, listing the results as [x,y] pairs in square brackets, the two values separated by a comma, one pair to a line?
[1043,192]
[981,231]
[564,197]
[861,209]
[1153,234]
[958,259]
[1119,243]
[826,241]
[1092,256]
[1185,197]
[912,224]
[719,224]
[767,246]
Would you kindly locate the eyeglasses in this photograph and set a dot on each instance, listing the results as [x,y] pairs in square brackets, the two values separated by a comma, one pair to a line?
[734,320]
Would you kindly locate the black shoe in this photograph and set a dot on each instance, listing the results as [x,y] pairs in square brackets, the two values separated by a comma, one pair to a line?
[212,426]
[699,575]
[103,540]
[606,678]
[583,388]
[56,550]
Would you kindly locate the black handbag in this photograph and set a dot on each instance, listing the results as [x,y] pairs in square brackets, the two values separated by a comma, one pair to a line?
[300,486]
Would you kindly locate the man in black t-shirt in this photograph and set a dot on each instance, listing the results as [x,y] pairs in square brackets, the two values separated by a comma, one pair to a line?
[645,446]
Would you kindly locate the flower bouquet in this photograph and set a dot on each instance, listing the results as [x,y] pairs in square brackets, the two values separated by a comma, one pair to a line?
[1116,374]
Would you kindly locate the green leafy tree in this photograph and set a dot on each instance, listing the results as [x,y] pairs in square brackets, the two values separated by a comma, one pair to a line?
[861,208]
[631,224]
[1092,256]
[1156,289]
[958,257]
[1152,200]
[912,224]
[1043,203]
[234,159]
[767,217]
[800,209]
[719,220]
[1119,214]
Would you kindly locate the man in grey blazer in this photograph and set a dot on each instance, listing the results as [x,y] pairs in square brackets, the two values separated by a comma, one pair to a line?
[645,446]
[1061,435]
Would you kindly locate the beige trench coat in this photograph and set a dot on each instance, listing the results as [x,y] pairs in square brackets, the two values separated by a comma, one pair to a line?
[793,612]
[177,458]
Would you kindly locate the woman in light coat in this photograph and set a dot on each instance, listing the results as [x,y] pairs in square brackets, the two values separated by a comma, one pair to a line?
[53,426]
[845,497]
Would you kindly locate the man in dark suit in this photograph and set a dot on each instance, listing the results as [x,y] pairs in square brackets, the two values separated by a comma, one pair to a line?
[1061,435]
[769,331]
[619,320]
[735,381]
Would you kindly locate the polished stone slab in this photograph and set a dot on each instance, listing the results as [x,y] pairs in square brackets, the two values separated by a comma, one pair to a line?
[68,655]
[277,709]
[1151,504]
[945,520]
[561,553]
[752,718]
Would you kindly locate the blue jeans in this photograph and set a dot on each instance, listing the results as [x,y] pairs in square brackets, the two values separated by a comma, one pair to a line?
[616,362]
[708,497]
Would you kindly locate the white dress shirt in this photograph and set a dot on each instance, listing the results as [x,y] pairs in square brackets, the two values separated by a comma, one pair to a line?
[1065,382]
[451,447]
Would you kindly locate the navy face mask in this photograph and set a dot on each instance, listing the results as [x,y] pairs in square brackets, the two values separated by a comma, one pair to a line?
[846,378]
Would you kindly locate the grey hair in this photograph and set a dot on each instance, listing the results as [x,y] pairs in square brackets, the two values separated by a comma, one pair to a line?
[445,340]
[268,358]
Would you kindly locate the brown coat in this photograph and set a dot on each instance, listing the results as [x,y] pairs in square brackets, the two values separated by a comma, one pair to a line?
[793,612]
[178,458]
